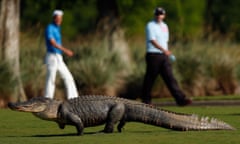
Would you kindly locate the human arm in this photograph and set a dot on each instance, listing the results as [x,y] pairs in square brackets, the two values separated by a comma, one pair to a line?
[155,44]
[68,52]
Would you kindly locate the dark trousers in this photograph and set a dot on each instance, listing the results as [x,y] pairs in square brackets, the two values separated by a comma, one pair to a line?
[160,64]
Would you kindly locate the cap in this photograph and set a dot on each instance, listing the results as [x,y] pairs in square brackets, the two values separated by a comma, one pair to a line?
[159,11]
[57,12]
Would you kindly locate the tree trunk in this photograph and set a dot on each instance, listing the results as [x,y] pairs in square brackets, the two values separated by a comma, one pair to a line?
[9,41]
[108,25]
[208,27]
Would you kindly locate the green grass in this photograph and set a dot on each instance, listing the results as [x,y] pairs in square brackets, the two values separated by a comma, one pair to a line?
[24,128]
[200,98]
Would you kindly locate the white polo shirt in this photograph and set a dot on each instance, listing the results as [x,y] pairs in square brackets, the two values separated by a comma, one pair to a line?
[159,32]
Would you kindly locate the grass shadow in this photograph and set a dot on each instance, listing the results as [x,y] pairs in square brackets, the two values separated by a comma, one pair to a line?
[229,114]
[65,135]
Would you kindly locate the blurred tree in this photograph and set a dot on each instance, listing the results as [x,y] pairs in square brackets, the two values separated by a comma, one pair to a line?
[79,15]
[9,41]
[134,14]
[222,17]
[109,27]
[186,18]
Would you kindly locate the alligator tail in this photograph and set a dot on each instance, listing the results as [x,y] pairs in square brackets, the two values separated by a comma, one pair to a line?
[175,121]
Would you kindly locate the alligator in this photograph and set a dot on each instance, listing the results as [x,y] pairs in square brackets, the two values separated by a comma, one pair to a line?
[93,110]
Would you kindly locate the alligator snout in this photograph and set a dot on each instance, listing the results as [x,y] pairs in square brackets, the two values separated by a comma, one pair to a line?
[11,105]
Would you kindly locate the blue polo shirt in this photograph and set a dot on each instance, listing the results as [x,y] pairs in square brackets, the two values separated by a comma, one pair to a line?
[53,31]
[159,32]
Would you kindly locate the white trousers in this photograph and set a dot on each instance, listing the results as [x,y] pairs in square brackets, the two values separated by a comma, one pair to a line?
[54,63]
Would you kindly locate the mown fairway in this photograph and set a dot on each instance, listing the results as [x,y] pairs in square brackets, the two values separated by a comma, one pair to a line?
[24,128]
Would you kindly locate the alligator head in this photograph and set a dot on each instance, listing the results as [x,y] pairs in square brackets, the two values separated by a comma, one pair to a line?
[42,107]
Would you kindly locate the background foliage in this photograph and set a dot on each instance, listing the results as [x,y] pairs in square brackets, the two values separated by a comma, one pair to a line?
[187,19]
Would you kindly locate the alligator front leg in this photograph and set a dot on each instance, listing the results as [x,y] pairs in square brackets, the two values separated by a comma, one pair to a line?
[71,119]
[77,122]
[61,125]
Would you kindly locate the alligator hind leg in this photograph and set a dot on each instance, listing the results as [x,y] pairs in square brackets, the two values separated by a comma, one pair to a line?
[121,125]
[115,114]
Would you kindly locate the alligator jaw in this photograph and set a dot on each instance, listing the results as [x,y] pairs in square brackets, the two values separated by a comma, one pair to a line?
[24,107]
[43,108]
[14,107]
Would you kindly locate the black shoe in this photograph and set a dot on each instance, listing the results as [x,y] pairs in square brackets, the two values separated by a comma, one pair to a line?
[184,102]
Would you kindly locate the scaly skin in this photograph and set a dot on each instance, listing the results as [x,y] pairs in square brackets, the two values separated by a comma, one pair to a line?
[93,110]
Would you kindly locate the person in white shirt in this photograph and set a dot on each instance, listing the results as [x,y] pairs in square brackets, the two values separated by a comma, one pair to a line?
[157,59]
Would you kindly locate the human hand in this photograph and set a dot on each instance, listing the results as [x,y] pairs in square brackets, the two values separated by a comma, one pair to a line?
[167,52]
[68,52]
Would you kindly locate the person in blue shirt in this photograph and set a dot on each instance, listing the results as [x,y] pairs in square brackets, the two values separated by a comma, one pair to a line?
[54,60]
[157,59]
